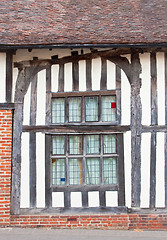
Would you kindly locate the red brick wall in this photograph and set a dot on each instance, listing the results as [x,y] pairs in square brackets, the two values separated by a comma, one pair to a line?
[5,165]
[123,221]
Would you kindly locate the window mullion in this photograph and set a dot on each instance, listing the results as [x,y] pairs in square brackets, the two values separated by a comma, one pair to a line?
[99,109]
[66,110]
[84,159]
[101,161]
[66,153]
[83,110]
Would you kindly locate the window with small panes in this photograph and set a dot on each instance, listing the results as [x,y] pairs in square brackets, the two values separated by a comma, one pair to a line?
[85,153]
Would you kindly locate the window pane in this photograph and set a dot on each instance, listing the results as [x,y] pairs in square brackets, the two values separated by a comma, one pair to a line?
[93,171]
[92,144]
[58,110]
[75,171]
[74,109]
[58,172]
[110,171]
[75,144]
[108,108]
[91,108]
[58,145]
[109,143]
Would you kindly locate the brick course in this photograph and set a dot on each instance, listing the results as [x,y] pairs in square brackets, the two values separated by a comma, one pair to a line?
[121,222]
[5,165]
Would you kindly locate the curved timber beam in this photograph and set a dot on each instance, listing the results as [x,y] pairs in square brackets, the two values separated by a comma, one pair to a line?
[25,77]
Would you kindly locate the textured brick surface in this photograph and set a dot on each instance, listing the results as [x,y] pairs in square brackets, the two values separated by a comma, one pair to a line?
[124,221]
[75,21]
[5,165]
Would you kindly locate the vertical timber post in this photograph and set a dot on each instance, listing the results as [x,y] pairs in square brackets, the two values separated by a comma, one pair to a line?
[136,129]
[166,132]
[154,121]
[9,74]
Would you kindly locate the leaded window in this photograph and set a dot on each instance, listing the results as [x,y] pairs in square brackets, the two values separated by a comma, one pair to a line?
[89,159]
[82,109]
[86,152]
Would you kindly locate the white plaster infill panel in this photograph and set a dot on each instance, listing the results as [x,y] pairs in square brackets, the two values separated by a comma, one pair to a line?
[41,98]
[125,99]
[127,163]
[145,169]
[40,169]
[82,75]
[58,199]
[111,198]
[93,199]
[54,78]
[96,73]
[145,91]
[2,77]
[15,75]
[160,171]
[26,109]
[76,199]
[161,87]
[111,76]
[25,176]
[68,77]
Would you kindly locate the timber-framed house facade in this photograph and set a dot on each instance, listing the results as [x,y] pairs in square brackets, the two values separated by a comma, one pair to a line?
[83,115]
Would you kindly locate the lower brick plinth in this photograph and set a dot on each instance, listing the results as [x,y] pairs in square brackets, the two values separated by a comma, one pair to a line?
[121,222]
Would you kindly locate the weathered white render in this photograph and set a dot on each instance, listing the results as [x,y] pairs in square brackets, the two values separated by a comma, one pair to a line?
[145,94]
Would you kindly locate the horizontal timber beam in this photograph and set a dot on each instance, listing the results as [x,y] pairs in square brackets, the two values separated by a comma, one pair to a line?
[76,128]
[84,188]
[82,45]
[7,106]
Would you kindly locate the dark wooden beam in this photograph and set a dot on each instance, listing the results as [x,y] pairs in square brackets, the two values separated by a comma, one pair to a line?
[67,199]
[32,154]
[121,177]
[74,211]
[102,198]
[61,78]
[75,73]
[32,143]
[103,80]
[84,199]
[88,56]
[25,76]
[87,93]
[136,129]
[123,63]
[16,159]
[9,76]
[7,106]
[76,128]
[22,84]
[48,96]
[154,128]
[118,93]
[166,132]
[48,192]
[154,107]
[85,188]
[154,121]
[88,74]
[153,170]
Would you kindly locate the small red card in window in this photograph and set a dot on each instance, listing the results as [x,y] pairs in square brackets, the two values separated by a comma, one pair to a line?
[113,105]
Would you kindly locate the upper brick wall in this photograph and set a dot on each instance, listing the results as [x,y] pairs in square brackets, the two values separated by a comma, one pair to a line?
[5,165]
[75,21]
